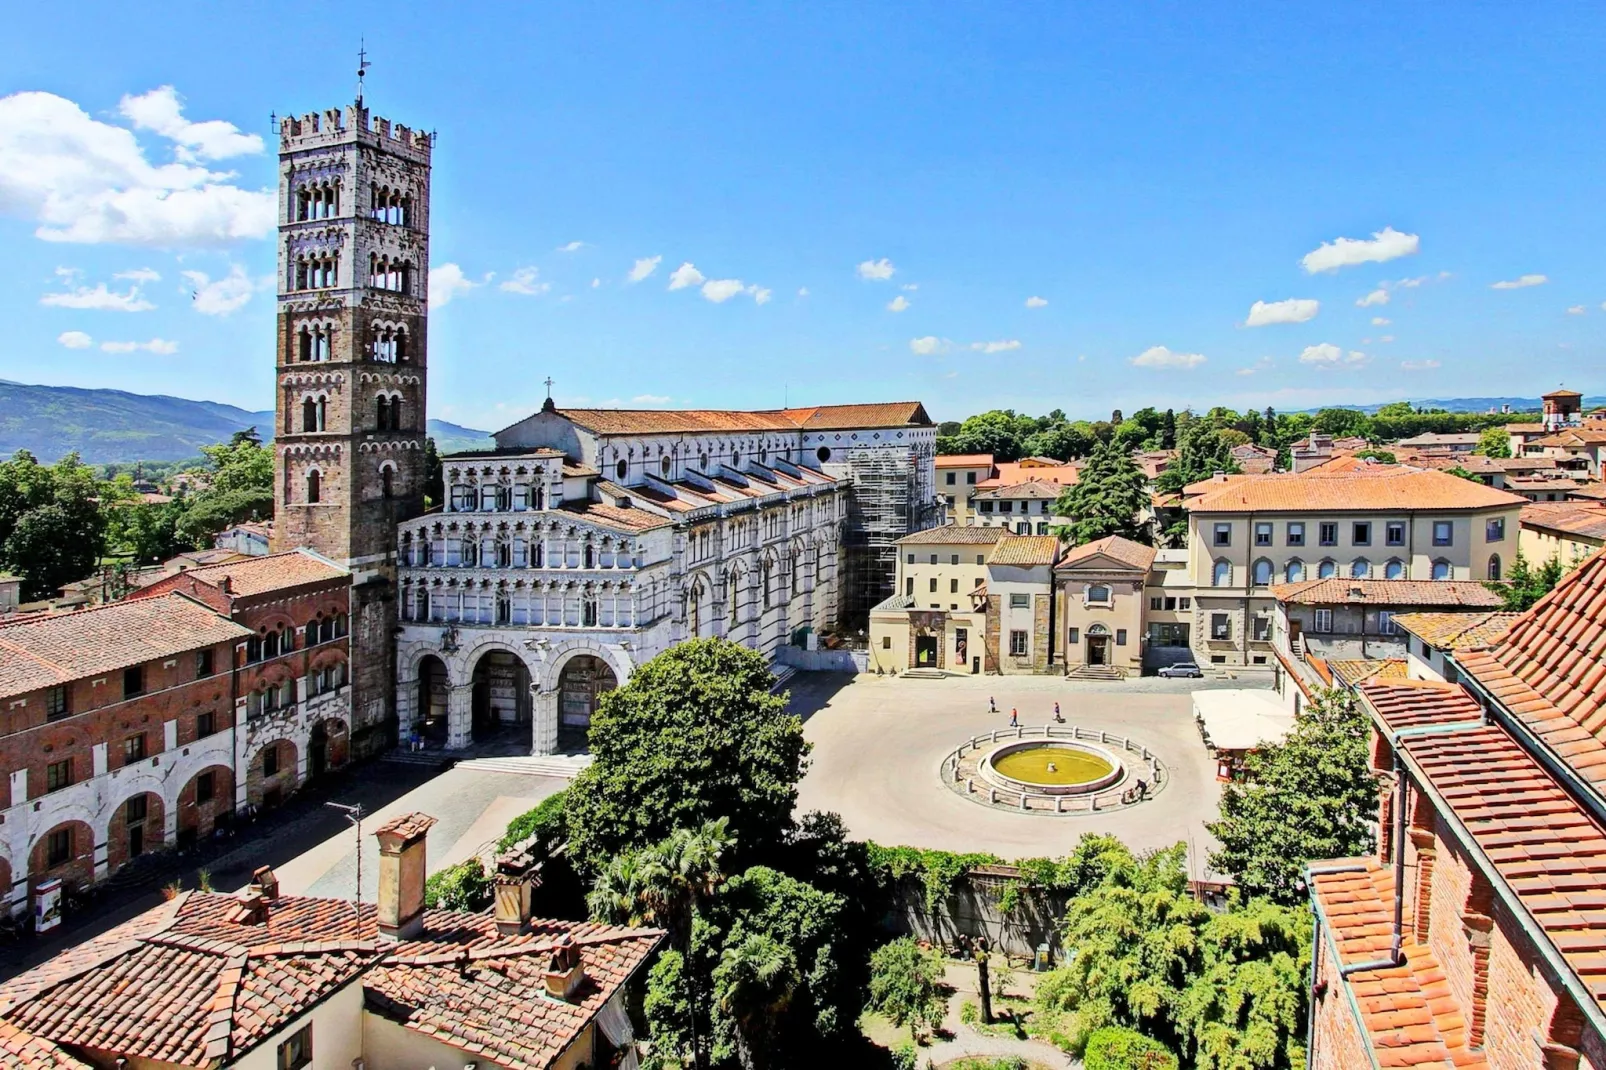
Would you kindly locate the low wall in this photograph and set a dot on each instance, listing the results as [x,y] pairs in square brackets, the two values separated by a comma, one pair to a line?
[823,660]
[973,909]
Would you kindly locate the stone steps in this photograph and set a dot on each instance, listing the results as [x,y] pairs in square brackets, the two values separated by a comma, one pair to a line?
[563,766]
[924,674]
[1096,672]
[782,674]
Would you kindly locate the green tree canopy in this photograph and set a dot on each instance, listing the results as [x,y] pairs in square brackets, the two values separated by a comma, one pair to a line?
[1524,585]
[1203,449]
[1494,442]
[695,735]
[1340,422]
[52,527]
[903,985]
[1110,497]
[1309,797]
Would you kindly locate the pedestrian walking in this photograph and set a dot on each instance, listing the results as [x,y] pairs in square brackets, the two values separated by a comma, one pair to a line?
[992,707]
[1014,718]
[1058,719]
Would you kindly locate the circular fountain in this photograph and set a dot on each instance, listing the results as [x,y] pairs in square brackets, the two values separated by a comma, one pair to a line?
[1051,767]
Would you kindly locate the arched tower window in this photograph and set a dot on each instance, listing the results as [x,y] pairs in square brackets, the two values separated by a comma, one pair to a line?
[1494,566]
[387,482]
[314,487]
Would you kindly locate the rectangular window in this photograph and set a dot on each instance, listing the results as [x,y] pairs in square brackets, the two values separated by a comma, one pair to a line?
[136,809]
[1020,601]
[205,724]
[1006,507]
[911,559]
[58,775]
[1042,529]
[1324,620]
[986,507]
[203,788]
[886,642]
[1220,626]
[1156,602]
[1443,533]
[933,559]
[1223,535]
[1171,604]
[1023,528]
[909,586]
[1329,533]
[1495,530]
[58,849]
[953,586]
[1262,534]
[1385,623]
[134,749]
[1296,533]
[970,477]
[56,706]
[134,681]
[954,559]
[1394,532]
[1362,533]
[981,559]
[1120,637]
[951,478]
[297,1051]
[1075,636]
[1262,628]
[203,664]
[270,761]
[1184,603]
[933,585]
[1017,643]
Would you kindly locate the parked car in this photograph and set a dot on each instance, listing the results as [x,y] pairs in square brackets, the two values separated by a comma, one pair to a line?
[1181,668]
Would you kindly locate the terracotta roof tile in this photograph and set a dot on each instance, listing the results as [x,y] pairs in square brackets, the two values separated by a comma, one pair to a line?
[1401,703]
[1026,550]
[964,460]
[1580,518]
[21,1050]
[1457,631]
[1015,473]
[691,421]
[1352,671]
[1388,488]
[1339,591]
[249,576]
[949,534]
[1030,488]
[1122,551]
[616,517]
[49,649]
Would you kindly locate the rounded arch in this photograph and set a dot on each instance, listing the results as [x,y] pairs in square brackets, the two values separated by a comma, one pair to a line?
[1394,569]
[272,772]
[1360,569]
[1496,570]
[1294,571]
[1262,571]
[1327,569]
[136,826]
[66,850]
[205,801]
[1221,573]
[1442,569]
[499,681]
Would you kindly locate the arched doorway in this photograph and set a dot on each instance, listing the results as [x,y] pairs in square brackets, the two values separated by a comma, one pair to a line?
[1098,645]
[501,693]
[433,690]
[584,678]
[135,827]
[66,851]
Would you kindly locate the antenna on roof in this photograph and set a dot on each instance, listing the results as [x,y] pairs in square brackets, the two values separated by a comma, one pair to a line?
[362,65]
[354,815]
[549,388]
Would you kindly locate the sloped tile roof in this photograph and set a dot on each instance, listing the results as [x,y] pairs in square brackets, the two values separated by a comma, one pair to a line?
[1014,473]
[949,534]
[1352,671]
[1413,703]
[49,649]
[1339,591]
[893,414]
[186,983]
[1457,631]
[21,1050]
[616,517]
[1026,550]
[1408,1013]
[1386,488]
[1584,519]
[1030,488]
[271,572]
[1133,555]
[964,460]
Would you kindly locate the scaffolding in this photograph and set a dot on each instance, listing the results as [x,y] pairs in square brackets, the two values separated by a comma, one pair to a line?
[884,505]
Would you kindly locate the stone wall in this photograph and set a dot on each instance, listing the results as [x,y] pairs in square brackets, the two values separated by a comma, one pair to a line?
[972,909]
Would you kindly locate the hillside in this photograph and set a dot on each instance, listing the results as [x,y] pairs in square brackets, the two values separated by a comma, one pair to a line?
[105,426]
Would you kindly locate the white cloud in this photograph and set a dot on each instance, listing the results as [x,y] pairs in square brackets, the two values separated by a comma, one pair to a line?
[526,280]
[98,298]
[67,274]
[1576,310]
[82,180]
[1161,357]
[1381,321]
[650,399]
[910,286]
[683,276]
[571,247]
[1327,355]
[155,345]
[596,284]
[1293,310]
[1419,365]
[140,275]
[1386,338]
[1522,282]
[226,295]
[642,268]
[1379,296]
[1244,371]
[996,347]
[802,291]
[926,346]
[75,339]
[160,112]
[877,270]
[1036,302]
[898,304]
[446,282]
[1386,244]
[761,295]
[721,290]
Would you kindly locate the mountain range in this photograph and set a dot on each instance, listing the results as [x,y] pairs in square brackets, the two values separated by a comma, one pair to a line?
[107,426]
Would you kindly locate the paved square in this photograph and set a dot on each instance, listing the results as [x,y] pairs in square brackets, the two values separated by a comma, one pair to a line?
[879,741]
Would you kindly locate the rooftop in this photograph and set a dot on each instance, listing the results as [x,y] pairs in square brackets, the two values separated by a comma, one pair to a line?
[1381,488]
[965,460]
[1035,489]
[190,983]
[1584,519]
[1340,591]
[50,649]
[249,576]
[1110,550]
[1014,473]
[1456,631]
[949,534]
[893,414]
[1026,550]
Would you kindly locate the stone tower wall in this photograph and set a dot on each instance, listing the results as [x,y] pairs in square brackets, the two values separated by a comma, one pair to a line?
[337,347]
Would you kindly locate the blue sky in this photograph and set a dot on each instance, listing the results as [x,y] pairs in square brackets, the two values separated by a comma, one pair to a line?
[1147,172]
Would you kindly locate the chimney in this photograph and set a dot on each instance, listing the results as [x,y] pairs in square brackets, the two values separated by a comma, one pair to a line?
[402,870]
[512,904]
[563,971]
[264,877]
[250,907]
[225,585]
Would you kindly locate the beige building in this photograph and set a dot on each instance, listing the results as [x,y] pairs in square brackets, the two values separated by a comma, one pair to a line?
[957,476]
[1100,589]
[1568,531]
[1023,508]
[1344,519]
[974,488]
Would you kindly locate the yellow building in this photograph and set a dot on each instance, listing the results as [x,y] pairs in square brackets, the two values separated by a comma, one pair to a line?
[957,476]
[1100,589]
[1568,531]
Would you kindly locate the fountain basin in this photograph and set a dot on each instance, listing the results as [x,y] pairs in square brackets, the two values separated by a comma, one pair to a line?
[1051,767]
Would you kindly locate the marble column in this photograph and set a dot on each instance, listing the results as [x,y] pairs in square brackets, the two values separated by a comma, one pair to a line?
[460,716]
[543,721]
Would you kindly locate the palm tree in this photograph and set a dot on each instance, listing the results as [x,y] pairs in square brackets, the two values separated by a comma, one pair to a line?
[632,890]
[756,981]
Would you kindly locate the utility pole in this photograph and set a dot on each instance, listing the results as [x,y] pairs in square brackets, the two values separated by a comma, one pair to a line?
[353,814]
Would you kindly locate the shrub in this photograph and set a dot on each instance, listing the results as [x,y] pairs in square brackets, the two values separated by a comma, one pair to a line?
[904,1057]
[903,984]
[465,886]
[1115,1048]
[546,819]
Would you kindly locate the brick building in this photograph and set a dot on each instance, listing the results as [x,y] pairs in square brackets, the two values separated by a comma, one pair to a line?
[137,724]
[1473,937]
[263,981]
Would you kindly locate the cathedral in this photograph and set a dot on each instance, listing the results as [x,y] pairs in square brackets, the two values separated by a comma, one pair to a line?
[587,540]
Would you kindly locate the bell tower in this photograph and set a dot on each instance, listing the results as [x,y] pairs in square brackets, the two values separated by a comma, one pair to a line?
[352,365]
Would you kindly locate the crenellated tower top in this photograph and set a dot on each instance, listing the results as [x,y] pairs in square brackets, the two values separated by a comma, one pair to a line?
[336,126]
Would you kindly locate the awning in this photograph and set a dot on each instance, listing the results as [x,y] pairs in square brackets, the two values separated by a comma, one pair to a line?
[1239,719]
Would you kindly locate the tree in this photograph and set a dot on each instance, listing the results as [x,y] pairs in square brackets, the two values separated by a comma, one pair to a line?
[1380,456]
[465,886]
[434,475]
[1524,585]
[754,985]
[1311,796]
[998,432]
[695,735]
[1168,430]
[1110,497]
[52,528]
[1062,441]
[1494,442]
[1340,422]
[1203,449]
[1396,408]
[903,985]
[1115,1048]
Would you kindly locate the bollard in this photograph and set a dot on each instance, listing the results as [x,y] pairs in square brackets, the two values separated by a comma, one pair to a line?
[1059,804]
[1023,805]
[1094,804]
[1020,730]
[992,795]
[970,786]
[1104,737]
